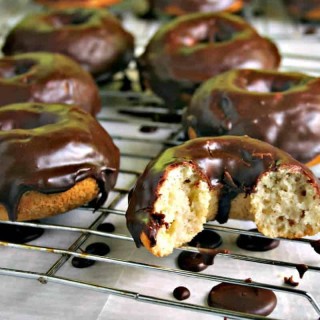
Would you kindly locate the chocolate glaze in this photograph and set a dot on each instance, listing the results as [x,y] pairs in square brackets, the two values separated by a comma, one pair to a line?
[181,293]
[280,108]
[19,234]
[191,49]
[302,269]
[242,159]
[308,10]
[181,7]
[253,243]
[242,298]
[99,44]
[48,78]
[49,148]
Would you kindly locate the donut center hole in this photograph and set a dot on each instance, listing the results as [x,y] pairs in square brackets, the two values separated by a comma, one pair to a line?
[75,18]
[20,67]
[26,120]
[214,32]
[262,86]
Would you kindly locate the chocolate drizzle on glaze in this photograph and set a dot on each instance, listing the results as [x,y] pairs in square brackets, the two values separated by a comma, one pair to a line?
[242,298]
[211,158]
[48,149]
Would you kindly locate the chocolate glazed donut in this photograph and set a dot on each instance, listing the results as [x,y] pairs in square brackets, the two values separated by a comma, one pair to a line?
[193,48]
[182,7]
[92,37]
[49,78]
[280,108]
[54,158]
[217,179]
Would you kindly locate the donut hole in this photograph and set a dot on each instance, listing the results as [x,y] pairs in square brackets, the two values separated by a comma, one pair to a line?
[74,18]
[187,201]
[11,69]
[211,32]
[285,204]
[270,85]
[26,120]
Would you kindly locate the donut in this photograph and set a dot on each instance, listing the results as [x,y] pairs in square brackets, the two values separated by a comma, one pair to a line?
[193,48]
[92,37]
[63,4]
[280,108]
[48,78]
[217,178]
[182,7]
[54,158]
[307,10]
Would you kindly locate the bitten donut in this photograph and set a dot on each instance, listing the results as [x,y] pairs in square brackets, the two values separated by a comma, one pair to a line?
[63,4]
[217,179]
[92,37]
[49,78]
[182,7]
[193,48]
[308,10]
[280,108]
[54,158]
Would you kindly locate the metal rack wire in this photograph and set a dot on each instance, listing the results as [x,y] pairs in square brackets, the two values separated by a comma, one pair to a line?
[117,116]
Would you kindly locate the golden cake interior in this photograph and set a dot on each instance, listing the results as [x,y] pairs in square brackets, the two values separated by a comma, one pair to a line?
[283,204]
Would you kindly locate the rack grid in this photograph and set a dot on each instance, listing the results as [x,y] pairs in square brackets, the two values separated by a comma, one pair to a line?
[137,149]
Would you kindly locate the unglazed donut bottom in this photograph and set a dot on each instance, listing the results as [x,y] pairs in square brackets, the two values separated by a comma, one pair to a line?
[64,4]
[281,108]
[193,48]
[54,158]
[216,179]
[182,7]
[92,37]
[48,78]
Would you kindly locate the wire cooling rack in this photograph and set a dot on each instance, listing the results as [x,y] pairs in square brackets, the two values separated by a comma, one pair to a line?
[128,276]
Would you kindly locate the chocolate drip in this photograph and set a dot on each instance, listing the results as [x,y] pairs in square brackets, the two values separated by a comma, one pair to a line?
[253,243]
[49,148]
[302,269]
[289,281]
[236,161]
[242,298]
[106,227]
[181,293]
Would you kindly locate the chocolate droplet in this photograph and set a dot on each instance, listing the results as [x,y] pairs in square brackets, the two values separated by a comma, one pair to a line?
[192,261]
[315,245]
[290,281]
[253,243]
[181,293]
[206,239]
[242,298]
[148,129]
[106,227]
[302,269]
[19,234]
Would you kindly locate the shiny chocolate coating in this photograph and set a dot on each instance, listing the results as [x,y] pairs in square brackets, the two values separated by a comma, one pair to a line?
[193,48]
[308,10]
[243,299]
[181,7]
[49,148]
[48,78]
[231,163]
[92,37]
[280,108]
